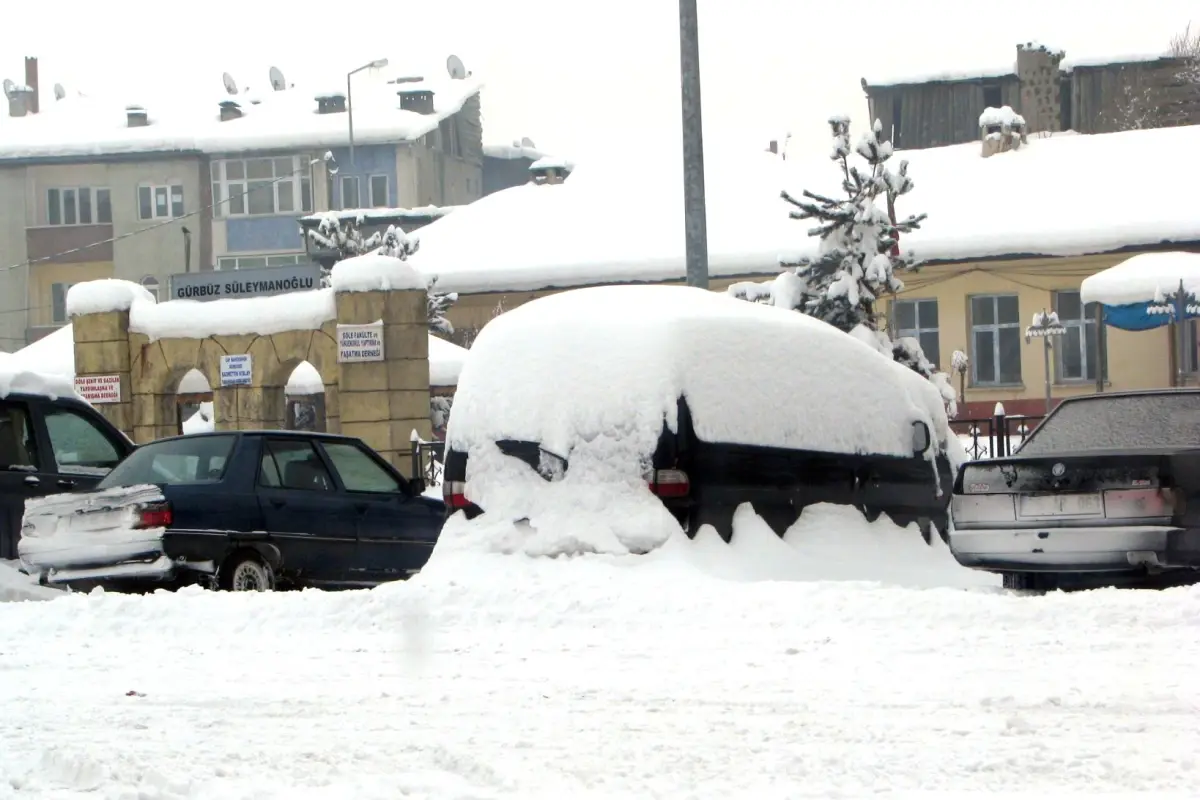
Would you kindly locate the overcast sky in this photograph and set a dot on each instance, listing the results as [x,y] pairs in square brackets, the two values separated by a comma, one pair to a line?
[578,75]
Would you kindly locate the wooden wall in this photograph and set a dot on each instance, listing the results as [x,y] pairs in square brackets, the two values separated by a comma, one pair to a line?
[1149,94]
[937,114]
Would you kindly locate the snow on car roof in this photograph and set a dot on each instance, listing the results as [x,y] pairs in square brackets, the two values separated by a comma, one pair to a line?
[611,362]
[587,230]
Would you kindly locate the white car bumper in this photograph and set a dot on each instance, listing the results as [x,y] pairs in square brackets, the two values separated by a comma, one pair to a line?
[1082,549]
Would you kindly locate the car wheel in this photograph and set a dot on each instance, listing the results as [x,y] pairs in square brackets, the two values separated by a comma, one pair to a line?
[870,513]
[719,516]
[246,572]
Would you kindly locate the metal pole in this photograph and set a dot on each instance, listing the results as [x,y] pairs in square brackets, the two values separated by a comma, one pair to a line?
[1181,333]
[1046,361]
[1101,354]
[694,215]
[350,117]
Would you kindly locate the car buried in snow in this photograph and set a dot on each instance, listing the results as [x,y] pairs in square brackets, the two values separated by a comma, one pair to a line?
[706,401]
[1104,492]
[237,510]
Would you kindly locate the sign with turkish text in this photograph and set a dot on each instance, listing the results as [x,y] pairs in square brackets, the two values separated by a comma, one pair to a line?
[257,282]
[235,370]
[358,343]
[99,388]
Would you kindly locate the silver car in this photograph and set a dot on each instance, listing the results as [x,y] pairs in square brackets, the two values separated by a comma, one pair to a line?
[1105,492]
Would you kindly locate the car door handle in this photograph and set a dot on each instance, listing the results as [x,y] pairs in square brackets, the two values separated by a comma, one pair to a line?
[33,480]
[277,502]
[66,483]
[360,508]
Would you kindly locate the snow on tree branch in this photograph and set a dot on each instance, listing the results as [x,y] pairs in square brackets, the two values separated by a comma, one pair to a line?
[437,305]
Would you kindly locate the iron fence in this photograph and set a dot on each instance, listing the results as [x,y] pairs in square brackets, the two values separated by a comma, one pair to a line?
[997,436]
[428,461]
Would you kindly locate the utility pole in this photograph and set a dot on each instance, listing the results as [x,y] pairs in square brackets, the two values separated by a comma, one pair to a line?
[695,223]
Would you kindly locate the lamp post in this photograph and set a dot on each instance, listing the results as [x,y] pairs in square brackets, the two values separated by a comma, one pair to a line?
[1045,324]
[695,223]
[378,63]
[1179,305]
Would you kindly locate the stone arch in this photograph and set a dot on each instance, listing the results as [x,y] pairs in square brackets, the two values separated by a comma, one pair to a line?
[275,357]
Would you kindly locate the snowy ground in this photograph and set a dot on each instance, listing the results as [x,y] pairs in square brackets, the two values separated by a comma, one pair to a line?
[493,676]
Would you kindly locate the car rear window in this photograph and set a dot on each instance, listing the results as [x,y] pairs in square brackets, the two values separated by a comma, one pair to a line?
[193,459]
[1123,423]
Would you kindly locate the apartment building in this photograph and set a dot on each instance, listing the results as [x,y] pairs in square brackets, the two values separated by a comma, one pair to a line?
[93,188]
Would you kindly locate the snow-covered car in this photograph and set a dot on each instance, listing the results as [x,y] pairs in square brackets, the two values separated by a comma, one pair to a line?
[704,401]
[1105,491]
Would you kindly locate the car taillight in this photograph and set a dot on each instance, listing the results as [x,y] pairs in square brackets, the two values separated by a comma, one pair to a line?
[669,483]
[1140,503]
[156,516]
[454,494]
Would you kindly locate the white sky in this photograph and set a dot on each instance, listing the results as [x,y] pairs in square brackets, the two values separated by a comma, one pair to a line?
[577,76]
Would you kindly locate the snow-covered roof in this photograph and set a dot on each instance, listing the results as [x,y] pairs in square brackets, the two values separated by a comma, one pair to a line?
[510,151]
[1144,278]
[587,230]
[370,216]
[1008,69]
[279,120]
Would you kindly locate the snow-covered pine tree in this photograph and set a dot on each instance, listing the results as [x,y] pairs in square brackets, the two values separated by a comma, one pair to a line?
[858,255]
[438,304]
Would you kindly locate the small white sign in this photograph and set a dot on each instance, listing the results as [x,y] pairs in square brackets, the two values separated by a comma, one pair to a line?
[360,342]
[99,388]
[235,370]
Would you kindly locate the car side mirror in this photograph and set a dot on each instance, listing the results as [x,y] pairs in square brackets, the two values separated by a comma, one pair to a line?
[920,437]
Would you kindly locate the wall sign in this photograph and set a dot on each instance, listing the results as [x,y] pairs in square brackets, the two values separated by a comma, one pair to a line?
[259,282]
[235,370]
[99,388]
[360,342]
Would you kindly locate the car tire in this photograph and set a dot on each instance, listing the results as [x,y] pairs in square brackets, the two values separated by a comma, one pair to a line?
[246,572]
[870,513]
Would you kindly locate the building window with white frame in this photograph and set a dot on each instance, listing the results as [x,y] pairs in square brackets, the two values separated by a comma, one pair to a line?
[150,284]
[58,302]
[379,191]
[257,262]
[261,186]
[160,202]
[995,340]
[918,319]
[1076,349]
[78,205]
[351,197]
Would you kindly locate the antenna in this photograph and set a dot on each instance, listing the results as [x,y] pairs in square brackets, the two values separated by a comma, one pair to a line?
[527,142]
[59,91]
[455,67]
[277,81]
[230,83]
[10,89]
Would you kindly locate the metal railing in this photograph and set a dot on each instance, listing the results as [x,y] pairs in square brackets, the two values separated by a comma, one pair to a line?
[992,437]
[428,461]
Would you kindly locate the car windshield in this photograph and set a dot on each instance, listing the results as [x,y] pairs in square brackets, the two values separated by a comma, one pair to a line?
[1121,423]
[192,459]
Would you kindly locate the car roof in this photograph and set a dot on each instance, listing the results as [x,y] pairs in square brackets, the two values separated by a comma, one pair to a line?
[280,433]
[46,398]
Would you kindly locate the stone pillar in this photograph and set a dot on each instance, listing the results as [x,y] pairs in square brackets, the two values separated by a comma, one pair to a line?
[101,349]
[1041,87]
[382,402]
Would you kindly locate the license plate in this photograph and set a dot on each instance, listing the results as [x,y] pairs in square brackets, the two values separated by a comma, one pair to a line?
[95,520]
[1060,505]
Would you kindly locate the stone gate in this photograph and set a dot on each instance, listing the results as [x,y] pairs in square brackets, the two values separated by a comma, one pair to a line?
[131,353]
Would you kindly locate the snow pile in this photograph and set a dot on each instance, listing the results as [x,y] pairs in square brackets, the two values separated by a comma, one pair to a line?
[105,294]
[305,380]
[446,361]
[203,421]
[552,162]
[16,586]
[233,316]
[510,152]
[16,377]
[1003,117]
[1143,278]
[375,272]
[562,236]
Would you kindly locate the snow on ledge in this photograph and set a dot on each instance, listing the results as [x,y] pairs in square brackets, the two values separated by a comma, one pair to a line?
[375,273]
[105,294]
[196,319]
[552,162]
[1143,279]
[1003,116]
[14,377]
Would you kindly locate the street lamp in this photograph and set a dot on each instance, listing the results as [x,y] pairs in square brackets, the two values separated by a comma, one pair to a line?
[695,224]
[378,63]
[1179,305]
[1045,324]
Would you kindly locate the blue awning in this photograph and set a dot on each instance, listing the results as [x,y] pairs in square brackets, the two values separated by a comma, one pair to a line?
[1137,317]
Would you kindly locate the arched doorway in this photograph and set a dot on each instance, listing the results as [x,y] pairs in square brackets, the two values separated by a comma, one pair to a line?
[305,398]
[194,403]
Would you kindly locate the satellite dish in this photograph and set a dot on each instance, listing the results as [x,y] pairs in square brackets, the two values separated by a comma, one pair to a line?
[59,91]
[455,67]
[277,81]
[10,89]
[230,83]
[527,142]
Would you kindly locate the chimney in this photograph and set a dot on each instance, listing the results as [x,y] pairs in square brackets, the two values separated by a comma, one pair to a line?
[136,117]
[417,100]
[332,103]
[230,109]
[31,80]
[549,171]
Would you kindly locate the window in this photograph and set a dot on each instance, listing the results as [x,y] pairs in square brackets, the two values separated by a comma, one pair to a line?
[195,459]
[58,302]
[919,319]
[78,205]
[1076,350]
[293,465]
[260,186]
[379,191]
[995,340]
[992,97]
[358,470]
[1104,421]
[17,448]
[160,202]
[350,194]
[255,262]
[150,284]
[448,138]
[79,446]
